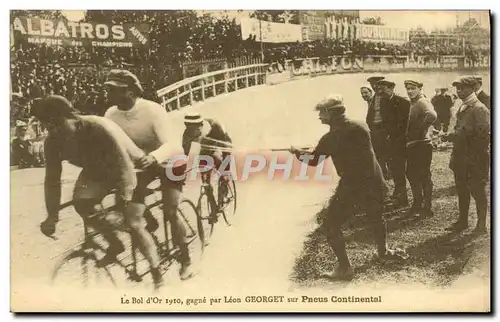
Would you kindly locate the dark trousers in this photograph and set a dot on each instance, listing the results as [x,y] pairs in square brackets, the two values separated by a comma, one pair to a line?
[398,169]
[381,148]
[349,197]
[418,171]
[471,180]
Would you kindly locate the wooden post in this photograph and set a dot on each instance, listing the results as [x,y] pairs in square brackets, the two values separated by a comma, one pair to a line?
[202,90]
[191,98]
[246,77]
[226,77]
[177,99]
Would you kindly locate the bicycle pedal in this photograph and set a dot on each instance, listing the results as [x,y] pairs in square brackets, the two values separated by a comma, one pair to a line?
[134,277]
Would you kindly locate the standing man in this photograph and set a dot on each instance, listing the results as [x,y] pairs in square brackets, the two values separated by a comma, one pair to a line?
[481,95]
[442,103]
[419,148]
[395,111]
[375,123]
[146,123]
[470,158]
[361,183]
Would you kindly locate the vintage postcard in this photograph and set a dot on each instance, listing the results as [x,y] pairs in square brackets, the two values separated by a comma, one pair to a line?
[250,161]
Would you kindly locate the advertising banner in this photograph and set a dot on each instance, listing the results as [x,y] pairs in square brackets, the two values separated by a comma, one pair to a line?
[271,32]
[74,34]
[381,34]
[313,23]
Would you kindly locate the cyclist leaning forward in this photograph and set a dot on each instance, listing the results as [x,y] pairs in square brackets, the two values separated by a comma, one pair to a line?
[106,155]
[146,123]
[214,140]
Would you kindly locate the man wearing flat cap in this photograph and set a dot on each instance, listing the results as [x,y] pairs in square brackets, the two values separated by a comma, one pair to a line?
[378,133]
[361,182]
[146,123]
[481,95]
[395,111]
[470,158]
[419,148]
[443,104]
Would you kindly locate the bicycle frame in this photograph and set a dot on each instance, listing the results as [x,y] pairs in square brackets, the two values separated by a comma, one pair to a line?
[166,253]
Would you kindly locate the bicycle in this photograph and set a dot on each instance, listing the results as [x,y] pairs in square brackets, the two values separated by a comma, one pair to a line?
[85,255]
[224,204]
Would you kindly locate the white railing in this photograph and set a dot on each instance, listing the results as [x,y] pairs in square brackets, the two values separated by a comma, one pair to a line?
[201,87]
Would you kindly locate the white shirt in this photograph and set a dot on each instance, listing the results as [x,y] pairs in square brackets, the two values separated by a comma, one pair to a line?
[146,123]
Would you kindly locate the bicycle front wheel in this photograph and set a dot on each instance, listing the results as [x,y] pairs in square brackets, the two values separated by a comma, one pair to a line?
[188,214]
[79,269]
[227,199]
[205,221]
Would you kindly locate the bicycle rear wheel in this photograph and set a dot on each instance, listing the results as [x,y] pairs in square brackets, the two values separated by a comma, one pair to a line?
[227,199]
[79,268]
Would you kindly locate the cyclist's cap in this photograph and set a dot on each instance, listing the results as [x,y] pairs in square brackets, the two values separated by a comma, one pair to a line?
[53,107]
[466,81]
[333,102]
[414,83]
[193,118]
[123,78]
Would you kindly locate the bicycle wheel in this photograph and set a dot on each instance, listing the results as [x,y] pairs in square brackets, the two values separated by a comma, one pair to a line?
[188,214]
[79,268]
[205,224]
[227,199]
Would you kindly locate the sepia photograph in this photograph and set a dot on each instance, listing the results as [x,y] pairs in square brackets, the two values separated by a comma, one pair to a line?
[250,161]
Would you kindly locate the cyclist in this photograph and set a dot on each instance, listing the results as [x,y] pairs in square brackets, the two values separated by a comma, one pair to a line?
[105,154]
[214,141]
[146,123]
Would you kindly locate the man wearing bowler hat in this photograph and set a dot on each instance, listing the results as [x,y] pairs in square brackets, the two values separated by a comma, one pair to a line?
[395,111]
[470,159]
[376,125]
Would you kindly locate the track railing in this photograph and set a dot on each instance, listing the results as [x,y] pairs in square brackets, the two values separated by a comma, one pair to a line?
[201,87]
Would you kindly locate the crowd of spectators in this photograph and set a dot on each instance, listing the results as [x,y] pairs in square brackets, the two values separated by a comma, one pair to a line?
[175,37]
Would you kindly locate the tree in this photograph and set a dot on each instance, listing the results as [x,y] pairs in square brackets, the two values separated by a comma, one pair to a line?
[281,16]
[373,21]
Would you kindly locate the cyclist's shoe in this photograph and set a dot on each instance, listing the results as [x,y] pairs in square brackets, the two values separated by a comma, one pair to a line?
[157,278]
[213,219]
[151,222]
[186,272]
[111,253]
[48,226]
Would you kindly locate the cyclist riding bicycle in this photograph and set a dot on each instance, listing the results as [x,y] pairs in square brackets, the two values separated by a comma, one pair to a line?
[146,123]
[107,157]
[214,140]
